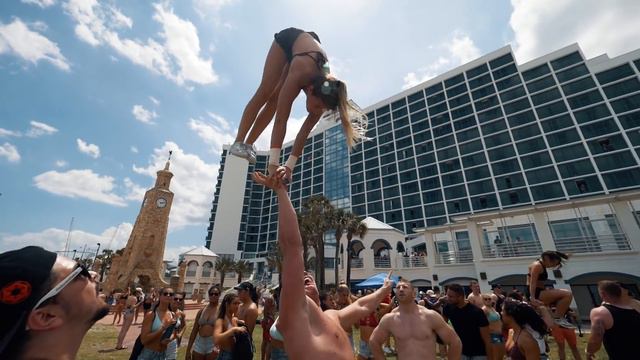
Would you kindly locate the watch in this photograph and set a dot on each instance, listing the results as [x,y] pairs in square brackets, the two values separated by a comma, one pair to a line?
[161,202]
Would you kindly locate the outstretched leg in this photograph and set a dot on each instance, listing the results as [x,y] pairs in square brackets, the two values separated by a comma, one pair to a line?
[273,66]
[266,114]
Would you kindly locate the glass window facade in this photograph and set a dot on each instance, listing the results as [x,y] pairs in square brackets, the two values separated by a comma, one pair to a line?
[491,136]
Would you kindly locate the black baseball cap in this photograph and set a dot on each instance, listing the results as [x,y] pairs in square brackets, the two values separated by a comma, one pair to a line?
[245,285]
[24,276]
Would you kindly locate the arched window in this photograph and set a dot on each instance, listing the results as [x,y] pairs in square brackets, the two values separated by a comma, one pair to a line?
[206,269]
[192,267]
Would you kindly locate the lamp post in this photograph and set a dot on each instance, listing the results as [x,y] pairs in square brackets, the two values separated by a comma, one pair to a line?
[74,254]
[96,256]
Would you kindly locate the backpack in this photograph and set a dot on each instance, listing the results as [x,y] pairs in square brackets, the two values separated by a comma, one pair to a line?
[243,347]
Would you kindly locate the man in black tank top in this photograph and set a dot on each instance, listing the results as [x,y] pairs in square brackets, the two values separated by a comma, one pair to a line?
[613,324]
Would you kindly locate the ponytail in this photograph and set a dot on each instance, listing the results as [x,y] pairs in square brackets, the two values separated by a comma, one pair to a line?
[555,255]
[333,93]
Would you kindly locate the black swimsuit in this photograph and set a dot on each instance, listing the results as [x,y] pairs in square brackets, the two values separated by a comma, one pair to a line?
[544,276]
[287,37]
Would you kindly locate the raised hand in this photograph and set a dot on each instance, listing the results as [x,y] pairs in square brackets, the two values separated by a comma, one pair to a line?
[272,182]
[388,283]
[284,173]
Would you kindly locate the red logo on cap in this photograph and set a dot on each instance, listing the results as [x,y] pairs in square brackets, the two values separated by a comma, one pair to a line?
[15,292]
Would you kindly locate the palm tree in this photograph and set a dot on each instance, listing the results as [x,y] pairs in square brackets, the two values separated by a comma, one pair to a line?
[358,228]
[241,267]
[339,222]
[314,221]
[224,266]
[274,259]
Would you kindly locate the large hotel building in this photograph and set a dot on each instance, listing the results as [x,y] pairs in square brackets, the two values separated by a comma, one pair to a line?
[471,175]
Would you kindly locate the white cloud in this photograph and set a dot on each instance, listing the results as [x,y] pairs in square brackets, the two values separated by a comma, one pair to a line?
[10,152]
[83,184]
[39,129]
[134,149]
[193,184]
[598,26]
[92,150]
[459,49]
[135,192]
[7,133]
[293,127]
[61,163]
[41,3]
[155,101]
[143,115]
[177,59]
[54,239]
[215,133]
[18,39]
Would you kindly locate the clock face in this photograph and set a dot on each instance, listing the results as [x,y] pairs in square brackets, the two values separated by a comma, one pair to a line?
[161,202]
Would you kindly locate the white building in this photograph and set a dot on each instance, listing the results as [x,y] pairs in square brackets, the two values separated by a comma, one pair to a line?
[200,272]
[488,164]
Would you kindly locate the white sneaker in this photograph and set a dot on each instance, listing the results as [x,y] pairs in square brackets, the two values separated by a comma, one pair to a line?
[238,149]
[251,153]
[564,323]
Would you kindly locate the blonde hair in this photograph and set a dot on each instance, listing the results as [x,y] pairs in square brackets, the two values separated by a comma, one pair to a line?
[333,93]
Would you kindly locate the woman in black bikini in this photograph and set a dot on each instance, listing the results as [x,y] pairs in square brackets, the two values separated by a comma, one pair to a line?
[539,295]
[295,62]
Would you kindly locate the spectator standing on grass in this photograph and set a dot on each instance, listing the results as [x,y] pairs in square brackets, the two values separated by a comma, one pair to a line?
[614,324]
[470,324]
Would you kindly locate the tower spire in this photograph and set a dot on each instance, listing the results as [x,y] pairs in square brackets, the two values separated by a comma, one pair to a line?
[166,165]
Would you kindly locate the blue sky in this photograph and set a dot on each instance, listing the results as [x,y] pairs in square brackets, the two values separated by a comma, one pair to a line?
[93,94]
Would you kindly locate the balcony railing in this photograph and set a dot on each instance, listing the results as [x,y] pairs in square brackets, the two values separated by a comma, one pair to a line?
[511,249]
[454,257]
[593,244]
[407,262]
[357,263]
[381,262]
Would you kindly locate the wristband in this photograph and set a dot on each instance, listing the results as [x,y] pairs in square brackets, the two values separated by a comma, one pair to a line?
[274,156]
[291,162]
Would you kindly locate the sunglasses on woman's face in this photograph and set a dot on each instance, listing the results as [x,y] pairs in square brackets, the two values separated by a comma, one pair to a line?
[214,294]
[178,299]
[167,293]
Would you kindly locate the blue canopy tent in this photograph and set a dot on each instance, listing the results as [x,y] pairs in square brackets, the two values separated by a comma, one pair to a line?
[376,280]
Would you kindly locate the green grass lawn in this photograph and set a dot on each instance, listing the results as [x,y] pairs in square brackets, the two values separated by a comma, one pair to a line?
[100,340]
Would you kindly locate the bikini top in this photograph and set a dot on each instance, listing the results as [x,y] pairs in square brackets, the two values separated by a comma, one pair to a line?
[321,62]
[370,320]
[493,316]
[544,275]
[157,323]
[275,333]
[205,321]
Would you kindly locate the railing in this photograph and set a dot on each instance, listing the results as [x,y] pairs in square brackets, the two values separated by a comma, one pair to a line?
[511,249]
[407,262]
[357,263]
[381,262]
[593,244]
[454,257]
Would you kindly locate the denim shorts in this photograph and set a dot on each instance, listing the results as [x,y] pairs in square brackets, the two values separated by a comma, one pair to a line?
[278,354]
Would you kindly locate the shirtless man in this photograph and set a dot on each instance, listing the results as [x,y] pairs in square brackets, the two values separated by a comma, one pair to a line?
[308,332]
[475,297]
[414,328]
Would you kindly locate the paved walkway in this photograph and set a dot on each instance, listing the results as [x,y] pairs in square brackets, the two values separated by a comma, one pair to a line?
[135,329]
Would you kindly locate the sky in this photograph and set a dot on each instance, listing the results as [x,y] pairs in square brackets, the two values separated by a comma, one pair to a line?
[94,94]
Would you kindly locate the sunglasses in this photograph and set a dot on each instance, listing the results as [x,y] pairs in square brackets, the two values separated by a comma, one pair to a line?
[78,270]
[214,294]
[178,299]
[167,293]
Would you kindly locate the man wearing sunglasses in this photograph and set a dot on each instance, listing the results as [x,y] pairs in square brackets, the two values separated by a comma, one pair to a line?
[48,303]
